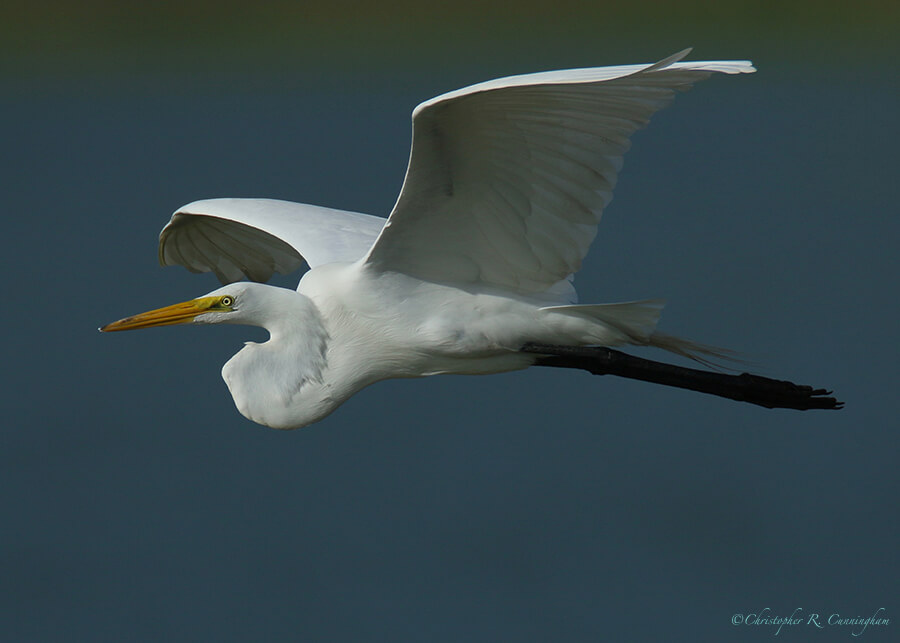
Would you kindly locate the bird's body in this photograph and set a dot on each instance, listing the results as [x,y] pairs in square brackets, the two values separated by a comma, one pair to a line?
[359,327]
[471,271]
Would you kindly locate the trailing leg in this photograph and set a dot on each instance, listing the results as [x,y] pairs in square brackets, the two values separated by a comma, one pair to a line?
[745,387]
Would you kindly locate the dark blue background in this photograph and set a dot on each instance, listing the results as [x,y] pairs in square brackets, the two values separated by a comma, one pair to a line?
[542,505]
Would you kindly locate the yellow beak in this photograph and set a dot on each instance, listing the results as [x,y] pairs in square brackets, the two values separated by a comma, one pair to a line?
[176,314]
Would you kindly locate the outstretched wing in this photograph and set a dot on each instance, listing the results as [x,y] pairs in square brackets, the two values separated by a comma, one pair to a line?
[507,179]
[253,238]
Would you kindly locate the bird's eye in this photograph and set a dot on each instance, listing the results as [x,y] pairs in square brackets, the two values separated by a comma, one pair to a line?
[227,300]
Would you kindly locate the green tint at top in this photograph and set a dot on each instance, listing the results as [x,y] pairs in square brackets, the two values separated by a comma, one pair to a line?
[60,37]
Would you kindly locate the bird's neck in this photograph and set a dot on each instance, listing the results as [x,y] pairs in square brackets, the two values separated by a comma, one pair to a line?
[281,382]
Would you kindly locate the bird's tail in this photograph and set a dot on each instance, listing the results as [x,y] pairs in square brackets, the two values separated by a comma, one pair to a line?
[636,322]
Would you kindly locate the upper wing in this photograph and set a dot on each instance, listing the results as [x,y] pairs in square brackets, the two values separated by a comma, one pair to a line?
[252,238]
[507,179]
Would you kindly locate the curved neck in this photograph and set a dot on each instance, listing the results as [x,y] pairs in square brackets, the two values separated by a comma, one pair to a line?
[280,383]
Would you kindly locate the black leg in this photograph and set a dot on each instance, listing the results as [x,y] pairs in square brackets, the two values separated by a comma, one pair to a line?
[755,389]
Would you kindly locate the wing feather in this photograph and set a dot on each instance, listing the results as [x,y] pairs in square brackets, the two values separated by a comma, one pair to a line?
[254,238]
[507,179]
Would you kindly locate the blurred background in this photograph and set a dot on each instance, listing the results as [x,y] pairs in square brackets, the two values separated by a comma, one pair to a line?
[545,505]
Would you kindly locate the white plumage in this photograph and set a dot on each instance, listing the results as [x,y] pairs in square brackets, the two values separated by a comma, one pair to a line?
[505,187]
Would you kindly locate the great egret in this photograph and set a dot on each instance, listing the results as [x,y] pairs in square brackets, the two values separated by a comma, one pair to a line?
[471,273]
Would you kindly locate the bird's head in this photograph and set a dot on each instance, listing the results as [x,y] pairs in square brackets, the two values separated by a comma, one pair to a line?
[220,306]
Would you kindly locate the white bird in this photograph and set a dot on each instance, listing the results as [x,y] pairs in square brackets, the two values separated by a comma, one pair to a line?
[472,271]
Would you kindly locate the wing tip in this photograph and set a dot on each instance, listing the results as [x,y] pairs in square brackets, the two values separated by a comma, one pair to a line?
[163,238]
[722,66]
